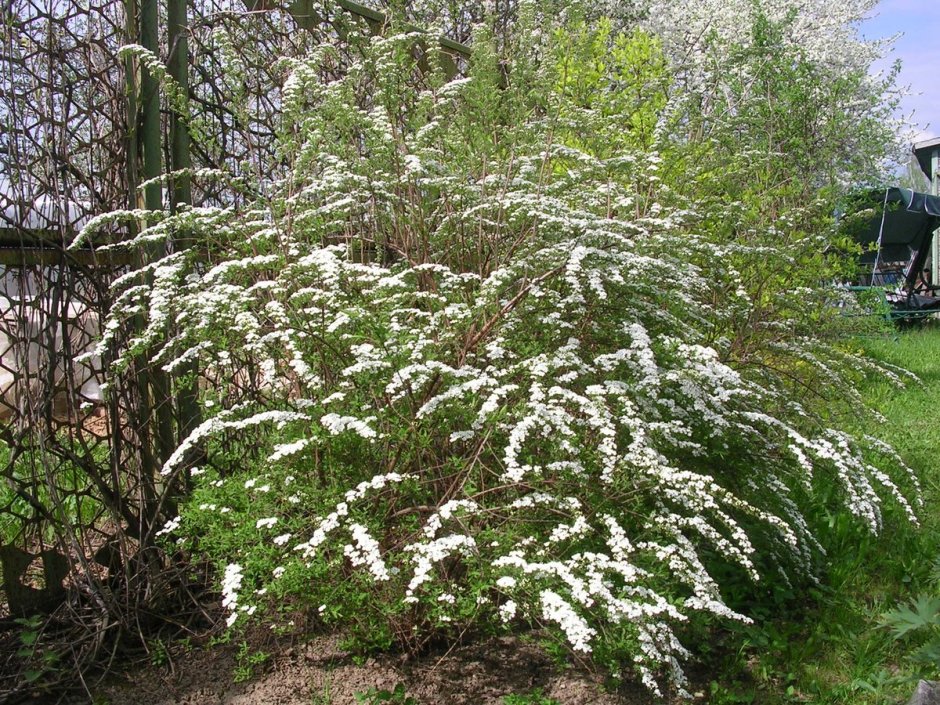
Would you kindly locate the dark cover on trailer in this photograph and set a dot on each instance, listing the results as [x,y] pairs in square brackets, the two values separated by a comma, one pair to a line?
[902,222]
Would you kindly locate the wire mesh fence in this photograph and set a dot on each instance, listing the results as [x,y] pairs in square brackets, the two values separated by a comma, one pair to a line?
[82,443]
[70,478]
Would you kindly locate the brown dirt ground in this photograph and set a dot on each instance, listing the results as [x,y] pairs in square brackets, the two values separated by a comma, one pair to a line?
[321,673]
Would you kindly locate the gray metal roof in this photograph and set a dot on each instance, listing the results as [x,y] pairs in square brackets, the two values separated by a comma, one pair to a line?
[924,151]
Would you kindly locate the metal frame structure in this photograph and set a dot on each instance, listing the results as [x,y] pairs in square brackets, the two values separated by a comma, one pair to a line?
[928,157]
[80,130]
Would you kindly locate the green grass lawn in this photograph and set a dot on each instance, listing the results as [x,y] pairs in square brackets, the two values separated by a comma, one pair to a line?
[836,648]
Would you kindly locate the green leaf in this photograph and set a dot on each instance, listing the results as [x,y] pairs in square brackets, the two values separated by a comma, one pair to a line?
[929,653]
[923,611]
[28,638]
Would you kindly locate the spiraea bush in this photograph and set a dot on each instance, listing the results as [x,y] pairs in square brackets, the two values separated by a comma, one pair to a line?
[481,359]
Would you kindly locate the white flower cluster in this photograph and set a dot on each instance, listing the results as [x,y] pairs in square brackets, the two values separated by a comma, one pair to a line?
[364,551]
[445,512]
[507,610]
[285,450]
[556,609]
[231,582]
[428,553]
[336,518]
[336,424]
[171,526]
[223,421]
[551,424]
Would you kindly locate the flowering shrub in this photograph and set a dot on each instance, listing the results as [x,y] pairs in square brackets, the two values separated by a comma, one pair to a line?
[475,362]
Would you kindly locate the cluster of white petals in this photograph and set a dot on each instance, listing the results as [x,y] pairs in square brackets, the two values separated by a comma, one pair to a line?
[231,582]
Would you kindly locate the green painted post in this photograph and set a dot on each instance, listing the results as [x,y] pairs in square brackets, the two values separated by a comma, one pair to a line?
[178,66]
[180,159]
[153,201]
[149,468]
[150,107]
[142,418]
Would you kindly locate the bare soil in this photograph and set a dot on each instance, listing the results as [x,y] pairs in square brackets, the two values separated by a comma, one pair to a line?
[321,673]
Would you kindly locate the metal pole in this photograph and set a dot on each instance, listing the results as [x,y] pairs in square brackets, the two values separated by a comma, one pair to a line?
[180,160]
[143,413]
[935,190]
[150,109]
[153,201]
[178,64]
